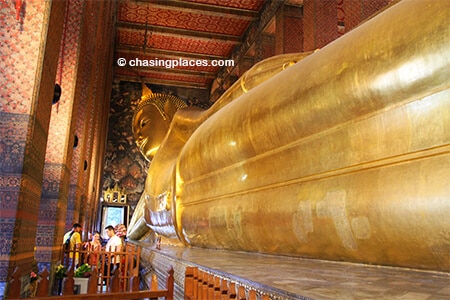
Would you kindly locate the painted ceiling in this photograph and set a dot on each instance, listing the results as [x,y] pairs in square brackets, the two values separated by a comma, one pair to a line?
[149,31]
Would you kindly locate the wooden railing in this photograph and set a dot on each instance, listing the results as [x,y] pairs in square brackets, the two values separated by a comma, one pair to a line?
[128,265]
[201,285]
[121,283]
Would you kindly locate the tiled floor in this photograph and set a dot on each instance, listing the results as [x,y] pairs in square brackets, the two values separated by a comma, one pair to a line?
[306,278]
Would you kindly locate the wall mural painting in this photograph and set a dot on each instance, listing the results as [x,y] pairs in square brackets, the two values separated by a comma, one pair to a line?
[124,164]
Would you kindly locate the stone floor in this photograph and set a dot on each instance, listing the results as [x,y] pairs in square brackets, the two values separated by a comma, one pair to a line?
[296,278]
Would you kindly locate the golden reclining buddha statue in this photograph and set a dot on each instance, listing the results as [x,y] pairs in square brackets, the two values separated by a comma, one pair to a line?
[343,155]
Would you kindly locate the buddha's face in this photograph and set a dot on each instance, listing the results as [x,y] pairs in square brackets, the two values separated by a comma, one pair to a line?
[149,129]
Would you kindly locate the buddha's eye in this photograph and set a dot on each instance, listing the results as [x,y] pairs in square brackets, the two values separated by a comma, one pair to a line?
[144,122]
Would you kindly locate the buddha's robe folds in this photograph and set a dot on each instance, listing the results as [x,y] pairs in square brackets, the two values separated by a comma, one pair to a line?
[343,156]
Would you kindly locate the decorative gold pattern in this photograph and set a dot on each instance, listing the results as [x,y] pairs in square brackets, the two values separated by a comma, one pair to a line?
[115,195]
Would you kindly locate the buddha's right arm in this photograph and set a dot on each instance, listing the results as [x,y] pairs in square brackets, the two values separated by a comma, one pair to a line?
[137,227]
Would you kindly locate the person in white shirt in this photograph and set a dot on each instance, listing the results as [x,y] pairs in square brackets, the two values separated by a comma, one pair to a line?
[114,244]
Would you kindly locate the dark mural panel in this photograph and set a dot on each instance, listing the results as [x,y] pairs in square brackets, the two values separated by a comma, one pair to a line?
[124,164]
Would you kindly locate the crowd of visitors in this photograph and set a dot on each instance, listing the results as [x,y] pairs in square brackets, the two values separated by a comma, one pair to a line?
[114,242]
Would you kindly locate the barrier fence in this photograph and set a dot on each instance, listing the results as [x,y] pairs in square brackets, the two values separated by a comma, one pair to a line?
[115,275]
[201,285]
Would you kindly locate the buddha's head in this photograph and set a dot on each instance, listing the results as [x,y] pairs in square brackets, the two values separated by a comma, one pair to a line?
[152,119]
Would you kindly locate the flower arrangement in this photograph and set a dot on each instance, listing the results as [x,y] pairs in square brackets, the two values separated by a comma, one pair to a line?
[33,276]
[83,271]
[32,286]
[120,230]
[60,272]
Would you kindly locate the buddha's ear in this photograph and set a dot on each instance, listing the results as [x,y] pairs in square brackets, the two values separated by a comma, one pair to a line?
[170,109]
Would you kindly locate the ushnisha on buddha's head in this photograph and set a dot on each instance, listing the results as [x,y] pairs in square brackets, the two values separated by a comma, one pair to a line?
[152,119]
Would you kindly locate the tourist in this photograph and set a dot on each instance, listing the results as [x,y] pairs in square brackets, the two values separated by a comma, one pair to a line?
[72,242]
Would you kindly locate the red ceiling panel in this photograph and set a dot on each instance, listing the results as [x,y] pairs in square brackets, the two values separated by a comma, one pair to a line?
[241,4]
[175,43]
[165,76]
[186,29]
[135,13]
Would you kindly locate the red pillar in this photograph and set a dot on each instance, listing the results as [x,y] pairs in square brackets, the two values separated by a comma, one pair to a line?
[320,21]
[29,48]
[289,30]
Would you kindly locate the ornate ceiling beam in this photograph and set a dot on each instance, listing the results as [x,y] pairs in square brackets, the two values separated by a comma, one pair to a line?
[190,73]
[164,53]
[145,72]
[196,7]
[177,32]
[156,81]
[267,12]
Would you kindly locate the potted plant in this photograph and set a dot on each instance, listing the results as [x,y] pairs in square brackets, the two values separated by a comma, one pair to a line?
[83,271]
[60,273]
[81,278]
